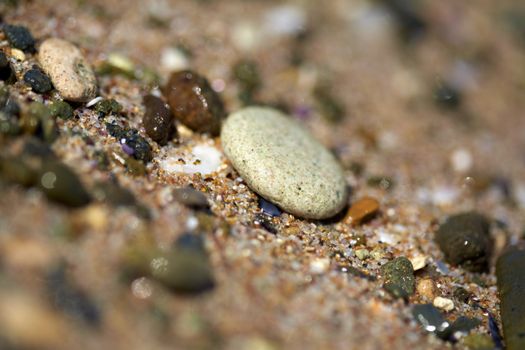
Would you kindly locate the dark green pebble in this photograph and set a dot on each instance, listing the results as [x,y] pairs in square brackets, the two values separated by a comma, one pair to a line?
[19,37]
[108,106]
[510,269]
[113,193]
[398,277]
[61,109]
[61,184]
[38,80]
[191,198]
[17,171]
[158,120]
[465,240]
[185,268]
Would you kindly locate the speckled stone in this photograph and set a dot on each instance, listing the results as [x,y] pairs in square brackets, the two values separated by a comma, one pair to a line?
[68,69]
[283,163]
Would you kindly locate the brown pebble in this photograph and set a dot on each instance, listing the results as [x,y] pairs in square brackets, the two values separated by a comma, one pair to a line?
[362,210]
[194,103]
[426,288]
[158,120]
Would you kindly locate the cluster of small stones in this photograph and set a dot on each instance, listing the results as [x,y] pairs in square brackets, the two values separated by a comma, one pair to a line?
[276,157]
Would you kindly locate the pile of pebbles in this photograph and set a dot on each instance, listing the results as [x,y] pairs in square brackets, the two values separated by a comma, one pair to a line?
[275,156]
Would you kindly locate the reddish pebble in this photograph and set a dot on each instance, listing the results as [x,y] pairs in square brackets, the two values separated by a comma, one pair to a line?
[194,103]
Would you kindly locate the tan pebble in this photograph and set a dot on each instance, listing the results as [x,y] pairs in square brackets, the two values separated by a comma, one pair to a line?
[27,323]
[418,262]
[19,55]
[426,288]
[444,303]
[361,210]
[280,160]
[68,69]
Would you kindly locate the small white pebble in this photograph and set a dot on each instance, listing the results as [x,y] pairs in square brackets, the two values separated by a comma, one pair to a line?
[418,262]
[203,159]
[444,303]
[461,160]
[173,59]
[319,265]
[94,101]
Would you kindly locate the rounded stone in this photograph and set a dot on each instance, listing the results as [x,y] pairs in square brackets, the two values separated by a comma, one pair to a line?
[68,69]
[194,103]
[282,162]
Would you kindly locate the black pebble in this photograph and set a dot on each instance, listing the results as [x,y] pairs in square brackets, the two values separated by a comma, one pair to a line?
[465,240]
[131,137]
[19,37]
[6,73]
[267,223]
[158,120]
[38,80]
[61,184]
[447,96]
[268,208]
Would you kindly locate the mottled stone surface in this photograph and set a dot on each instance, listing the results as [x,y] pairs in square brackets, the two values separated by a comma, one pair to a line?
[283,163]
[68,69]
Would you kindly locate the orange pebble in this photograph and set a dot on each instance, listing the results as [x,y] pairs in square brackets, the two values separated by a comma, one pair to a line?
[361,210]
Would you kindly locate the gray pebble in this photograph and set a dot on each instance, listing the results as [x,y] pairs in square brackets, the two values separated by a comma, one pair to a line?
[283,163]
[68,69]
